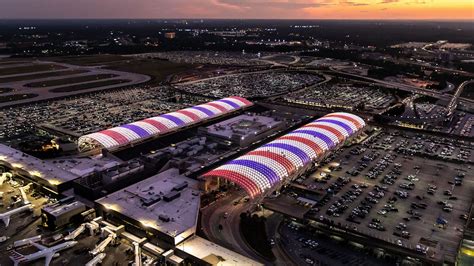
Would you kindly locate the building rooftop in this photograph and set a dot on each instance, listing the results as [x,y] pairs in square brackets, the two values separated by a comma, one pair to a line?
[60,209]
[242,126]
[167,202]
[86,165]
[34,168]
[212,253]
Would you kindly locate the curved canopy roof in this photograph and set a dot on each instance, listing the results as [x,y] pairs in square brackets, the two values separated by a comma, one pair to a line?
[276,161]
[120,136]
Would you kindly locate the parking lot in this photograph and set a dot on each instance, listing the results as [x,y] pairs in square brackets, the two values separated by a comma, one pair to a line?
[338,93]
[309,248]
[389,189]
[256,84]
[87,113]
[207,57]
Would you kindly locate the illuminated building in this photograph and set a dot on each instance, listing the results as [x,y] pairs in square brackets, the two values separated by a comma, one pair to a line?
[280,160]
[121,136]
[170,35]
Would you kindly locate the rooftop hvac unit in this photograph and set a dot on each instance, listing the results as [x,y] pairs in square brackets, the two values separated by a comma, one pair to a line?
[164,218]
[181,186]
[171,196]
[151,200]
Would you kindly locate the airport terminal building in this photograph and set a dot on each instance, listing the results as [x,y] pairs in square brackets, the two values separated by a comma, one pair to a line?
[43,173]
[164,208]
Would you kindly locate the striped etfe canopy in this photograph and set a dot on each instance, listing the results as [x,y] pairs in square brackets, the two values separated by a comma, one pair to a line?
[120,136]
[272,163]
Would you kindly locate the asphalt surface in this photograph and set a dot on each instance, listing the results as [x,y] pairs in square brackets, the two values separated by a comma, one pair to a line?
[21,221]
[19,87]
[430,172]
[224,212]
[329,251]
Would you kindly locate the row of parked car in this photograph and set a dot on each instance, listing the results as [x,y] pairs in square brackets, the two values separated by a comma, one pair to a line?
[339,206]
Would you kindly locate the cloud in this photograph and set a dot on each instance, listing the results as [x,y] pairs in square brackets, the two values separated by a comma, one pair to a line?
[352,3]
[158,8]
[109,8]
[280,4]
[230,9]
[419,2]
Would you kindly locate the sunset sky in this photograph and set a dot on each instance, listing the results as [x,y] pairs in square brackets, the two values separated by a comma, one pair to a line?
[265,9]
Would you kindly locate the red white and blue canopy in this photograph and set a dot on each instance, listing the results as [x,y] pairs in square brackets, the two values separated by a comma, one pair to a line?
[120,136]
[272,163]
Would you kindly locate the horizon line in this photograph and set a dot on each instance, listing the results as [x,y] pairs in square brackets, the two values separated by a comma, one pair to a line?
[280,19]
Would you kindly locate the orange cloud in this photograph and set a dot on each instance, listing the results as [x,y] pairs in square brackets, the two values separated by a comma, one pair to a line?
[396,9]
[240,9]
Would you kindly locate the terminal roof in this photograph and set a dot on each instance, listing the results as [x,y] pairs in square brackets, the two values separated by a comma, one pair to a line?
[33,167]
[167,202]
[212,253]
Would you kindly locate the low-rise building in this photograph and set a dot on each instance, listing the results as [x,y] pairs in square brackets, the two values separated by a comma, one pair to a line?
[164,207]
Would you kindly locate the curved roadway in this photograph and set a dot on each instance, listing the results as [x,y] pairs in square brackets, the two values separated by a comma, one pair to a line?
[224,212]
[404,87]
[453,104]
